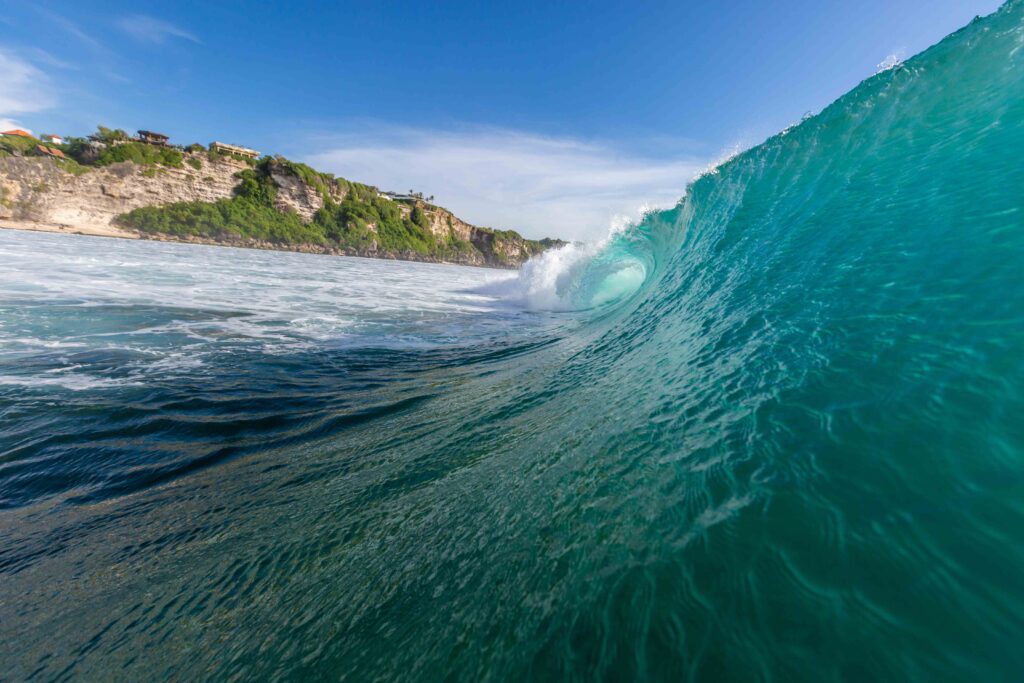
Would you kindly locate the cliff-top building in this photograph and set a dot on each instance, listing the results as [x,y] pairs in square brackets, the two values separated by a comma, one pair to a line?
[225,148]
[153,138]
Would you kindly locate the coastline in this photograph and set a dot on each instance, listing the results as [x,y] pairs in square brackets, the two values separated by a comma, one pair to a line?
[92,230]
[272,204]
[120,233]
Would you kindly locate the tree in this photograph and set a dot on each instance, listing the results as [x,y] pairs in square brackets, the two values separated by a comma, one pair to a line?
[419,217]
[108,135]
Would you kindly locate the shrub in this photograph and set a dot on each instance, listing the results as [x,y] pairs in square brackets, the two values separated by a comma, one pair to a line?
[140,153]
[222,219]
[419,217]
[15,144]
[256,187]
[109,136]
[213,156]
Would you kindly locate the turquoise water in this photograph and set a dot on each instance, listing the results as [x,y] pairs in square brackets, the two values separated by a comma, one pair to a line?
[774,433]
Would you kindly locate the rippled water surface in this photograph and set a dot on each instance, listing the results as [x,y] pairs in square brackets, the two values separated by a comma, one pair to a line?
[774,433]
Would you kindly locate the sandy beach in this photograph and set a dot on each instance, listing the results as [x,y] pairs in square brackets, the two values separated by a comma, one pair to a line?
[96,230]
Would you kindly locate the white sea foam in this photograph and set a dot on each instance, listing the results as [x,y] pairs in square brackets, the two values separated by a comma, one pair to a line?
[73,382]
[890,62]
[146,309]
[556,279]
[726,155]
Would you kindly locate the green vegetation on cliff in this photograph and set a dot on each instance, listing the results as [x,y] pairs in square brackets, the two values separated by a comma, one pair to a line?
[352,218]
[247,215]
[361,222]
[15,144]
[140,153]
[215,156]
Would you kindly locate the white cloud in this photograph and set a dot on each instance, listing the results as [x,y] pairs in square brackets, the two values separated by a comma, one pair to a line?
[104,60]
[148,29]
[541,186]
[8,124]
[72,29]
[23,88]
[47,59]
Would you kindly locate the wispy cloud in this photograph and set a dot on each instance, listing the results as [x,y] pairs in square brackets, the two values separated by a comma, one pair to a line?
[23,88]
[540,185]
[104,60]
[72,29]
[147,29]
[40,56]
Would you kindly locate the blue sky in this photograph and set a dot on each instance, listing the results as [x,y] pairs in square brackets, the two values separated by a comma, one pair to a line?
[551,118]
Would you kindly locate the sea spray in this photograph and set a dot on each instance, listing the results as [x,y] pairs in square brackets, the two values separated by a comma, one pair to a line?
[577,276]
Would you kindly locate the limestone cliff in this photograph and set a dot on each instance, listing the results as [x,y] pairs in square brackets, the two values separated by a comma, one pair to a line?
[40,190]
[296,195]
[44,191]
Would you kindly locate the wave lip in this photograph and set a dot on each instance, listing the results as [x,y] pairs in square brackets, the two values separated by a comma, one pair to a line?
[584,276]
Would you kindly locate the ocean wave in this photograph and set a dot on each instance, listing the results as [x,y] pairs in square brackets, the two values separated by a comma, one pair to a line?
[770,433]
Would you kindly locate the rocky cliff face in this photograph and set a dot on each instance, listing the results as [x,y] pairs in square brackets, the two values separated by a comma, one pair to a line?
[493,248]
[294,195]
[37,189]
[40,190]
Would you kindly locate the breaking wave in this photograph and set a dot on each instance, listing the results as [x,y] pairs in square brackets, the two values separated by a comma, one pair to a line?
[771,433]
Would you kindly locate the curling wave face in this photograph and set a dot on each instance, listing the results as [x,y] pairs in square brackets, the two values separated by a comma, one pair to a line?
[771,433]
[591,276]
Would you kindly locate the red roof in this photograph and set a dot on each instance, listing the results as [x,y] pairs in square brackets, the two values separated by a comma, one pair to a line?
[18,131]
[51,151]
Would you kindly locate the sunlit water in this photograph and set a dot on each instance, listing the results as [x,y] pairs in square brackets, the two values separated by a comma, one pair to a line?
[774,433]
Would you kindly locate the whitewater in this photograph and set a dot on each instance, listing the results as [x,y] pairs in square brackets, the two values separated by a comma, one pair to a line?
[771,433]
